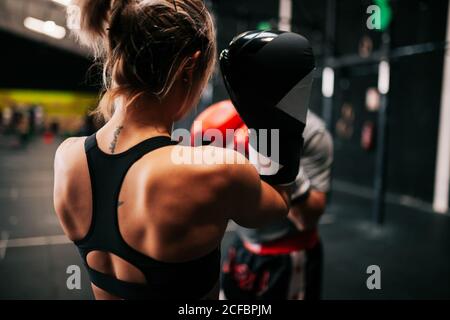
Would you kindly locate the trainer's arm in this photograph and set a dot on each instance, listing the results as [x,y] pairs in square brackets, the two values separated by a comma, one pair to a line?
[309,196]
[306,214]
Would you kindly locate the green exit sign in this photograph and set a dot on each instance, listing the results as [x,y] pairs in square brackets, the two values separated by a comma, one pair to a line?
[264,25]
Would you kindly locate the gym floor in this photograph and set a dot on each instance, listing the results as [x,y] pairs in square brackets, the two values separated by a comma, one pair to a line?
[411,248]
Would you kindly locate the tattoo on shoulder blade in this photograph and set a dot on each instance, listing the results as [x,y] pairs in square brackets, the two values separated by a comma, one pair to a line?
[112,146]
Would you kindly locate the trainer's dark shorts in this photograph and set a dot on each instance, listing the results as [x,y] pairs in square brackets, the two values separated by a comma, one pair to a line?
[296,275]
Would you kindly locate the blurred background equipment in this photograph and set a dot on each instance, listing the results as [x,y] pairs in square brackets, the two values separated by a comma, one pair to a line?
[384,95]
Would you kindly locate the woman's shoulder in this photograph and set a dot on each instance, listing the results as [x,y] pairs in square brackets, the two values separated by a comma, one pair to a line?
[70,179]
[69,154]
[70,143]
[70,146]
[207,180]
[203,167]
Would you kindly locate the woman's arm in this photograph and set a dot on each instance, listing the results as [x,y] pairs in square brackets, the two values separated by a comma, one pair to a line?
[252,203]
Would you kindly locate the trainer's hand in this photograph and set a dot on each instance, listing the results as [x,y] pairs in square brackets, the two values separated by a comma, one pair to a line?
[306,214]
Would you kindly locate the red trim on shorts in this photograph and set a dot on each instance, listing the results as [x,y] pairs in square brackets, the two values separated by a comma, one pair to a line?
[301,241]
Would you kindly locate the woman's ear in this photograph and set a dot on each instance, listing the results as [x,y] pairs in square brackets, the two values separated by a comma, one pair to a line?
[189,85]
[188,74]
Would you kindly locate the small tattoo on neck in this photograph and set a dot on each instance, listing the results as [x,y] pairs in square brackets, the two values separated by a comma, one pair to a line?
[112,146]
[120,203]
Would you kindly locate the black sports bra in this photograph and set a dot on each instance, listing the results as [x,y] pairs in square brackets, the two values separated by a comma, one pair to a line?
[187,280]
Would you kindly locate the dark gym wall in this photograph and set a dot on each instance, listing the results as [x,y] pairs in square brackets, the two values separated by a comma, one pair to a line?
[414,121]
[352,162]
[414,98]
[28,64]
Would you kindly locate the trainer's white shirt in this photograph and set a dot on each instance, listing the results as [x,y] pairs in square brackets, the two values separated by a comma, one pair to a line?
[314,173]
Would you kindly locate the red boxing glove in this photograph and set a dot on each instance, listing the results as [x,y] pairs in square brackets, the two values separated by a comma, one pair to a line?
[214,122]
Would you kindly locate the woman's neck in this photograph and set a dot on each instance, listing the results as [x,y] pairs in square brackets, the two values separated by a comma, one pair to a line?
[132,125]
[142,120]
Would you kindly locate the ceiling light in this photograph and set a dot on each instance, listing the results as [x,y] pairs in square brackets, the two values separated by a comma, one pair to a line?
[63,2]
[49,28]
